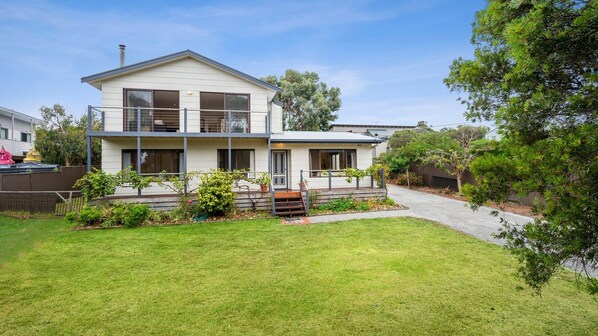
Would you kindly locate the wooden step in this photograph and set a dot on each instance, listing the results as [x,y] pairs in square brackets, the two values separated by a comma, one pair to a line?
[287,194]
[290,212]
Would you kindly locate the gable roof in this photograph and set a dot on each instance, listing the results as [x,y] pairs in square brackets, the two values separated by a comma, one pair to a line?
[172,57]
[321,137]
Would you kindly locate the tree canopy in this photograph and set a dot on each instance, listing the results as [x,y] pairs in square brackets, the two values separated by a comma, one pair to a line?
[451,149]
[308,103]
[61,138]
[534,73]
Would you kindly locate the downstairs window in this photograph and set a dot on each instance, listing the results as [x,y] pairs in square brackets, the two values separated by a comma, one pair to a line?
[240,159]
[331,159]
[154,161]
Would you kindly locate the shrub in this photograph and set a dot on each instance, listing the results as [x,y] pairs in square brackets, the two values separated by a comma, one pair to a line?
[136,214]
[362,206]
[375,171]
[97,183]
[415,180]
[339,204]
[390,202]
[72,216]
[397,164]
[90,216]
[215,193]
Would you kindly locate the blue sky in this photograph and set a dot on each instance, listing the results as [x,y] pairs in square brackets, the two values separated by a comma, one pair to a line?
[388,57]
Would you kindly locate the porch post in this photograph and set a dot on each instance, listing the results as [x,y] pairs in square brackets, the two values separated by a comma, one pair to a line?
[357,180]
[88,138]
[138,146]
[301,176]
[329,180]
[185,150]
[230,152]
[270,159]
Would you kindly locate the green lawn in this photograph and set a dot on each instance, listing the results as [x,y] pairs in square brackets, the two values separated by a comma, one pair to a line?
[384,276]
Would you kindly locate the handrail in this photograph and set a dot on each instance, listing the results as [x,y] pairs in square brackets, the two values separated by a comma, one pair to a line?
[100,108]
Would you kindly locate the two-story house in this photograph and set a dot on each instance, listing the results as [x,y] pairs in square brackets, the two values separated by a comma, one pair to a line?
[185,112]
[17,132]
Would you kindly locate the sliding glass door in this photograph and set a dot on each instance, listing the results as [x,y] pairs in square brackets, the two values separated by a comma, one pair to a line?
[159,110]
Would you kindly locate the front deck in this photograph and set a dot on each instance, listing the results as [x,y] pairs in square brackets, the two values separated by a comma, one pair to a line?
[254,199]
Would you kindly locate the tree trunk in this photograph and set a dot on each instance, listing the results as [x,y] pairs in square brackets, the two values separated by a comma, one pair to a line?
[67,162]
[408,179]
[459,177]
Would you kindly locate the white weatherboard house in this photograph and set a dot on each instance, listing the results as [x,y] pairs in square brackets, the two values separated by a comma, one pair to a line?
[17,132]
[184,112]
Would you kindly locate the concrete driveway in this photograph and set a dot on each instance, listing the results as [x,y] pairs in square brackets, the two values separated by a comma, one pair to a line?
[447,211]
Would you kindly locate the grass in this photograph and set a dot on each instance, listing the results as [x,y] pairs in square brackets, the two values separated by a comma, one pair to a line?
[381,276]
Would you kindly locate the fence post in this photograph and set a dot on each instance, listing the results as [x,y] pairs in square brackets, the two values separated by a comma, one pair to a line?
[357,180]
[329,180]
[383,183]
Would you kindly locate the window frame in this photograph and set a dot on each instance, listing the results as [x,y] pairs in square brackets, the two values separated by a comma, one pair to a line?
[4,133]
[345,152]
[224,106]
[234,150]
[127,109]
[133,153]
[28,137]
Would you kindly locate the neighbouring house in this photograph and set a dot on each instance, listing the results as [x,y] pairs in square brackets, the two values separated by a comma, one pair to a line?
[381,132]
[17,132]
[185,112]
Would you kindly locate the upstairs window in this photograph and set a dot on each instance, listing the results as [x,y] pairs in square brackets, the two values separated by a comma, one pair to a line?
[25,137]
[214,112]
[159,110]
[3,133]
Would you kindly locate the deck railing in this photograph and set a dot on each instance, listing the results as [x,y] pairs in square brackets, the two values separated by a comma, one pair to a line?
[191,181]
[333,181]
[178,120]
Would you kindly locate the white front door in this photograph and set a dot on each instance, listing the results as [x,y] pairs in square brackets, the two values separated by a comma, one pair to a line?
[279,169]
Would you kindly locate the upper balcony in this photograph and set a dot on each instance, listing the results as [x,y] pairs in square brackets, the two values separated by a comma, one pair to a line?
[178,122]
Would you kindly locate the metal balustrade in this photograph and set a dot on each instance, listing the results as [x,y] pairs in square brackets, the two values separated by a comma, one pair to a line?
[178,120]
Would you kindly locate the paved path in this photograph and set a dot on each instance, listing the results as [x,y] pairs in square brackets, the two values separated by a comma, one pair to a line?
[447,211]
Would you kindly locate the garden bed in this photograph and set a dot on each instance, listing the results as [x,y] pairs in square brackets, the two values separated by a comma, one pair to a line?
[348,205]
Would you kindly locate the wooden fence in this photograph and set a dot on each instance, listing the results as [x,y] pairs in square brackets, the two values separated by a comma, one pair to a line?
[62,179]
[435,177]
[58,203]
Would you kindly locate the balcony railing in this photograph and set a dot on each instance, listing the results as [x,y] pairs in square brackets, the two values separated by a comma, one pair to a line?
[179,120]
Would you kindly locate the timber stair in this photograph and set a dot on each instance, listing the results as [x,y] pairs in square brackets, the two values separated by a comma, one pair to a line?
[288,204]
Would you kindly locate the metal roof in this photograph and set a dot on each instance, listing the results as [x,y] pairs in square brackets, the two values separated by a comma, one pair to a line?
[20,116]
[321,137]
[370,126]
[380,132]
[172,57]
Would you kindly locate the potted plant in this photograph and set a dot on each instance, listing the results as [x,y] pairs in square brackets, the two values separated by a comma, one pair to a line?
[263,179]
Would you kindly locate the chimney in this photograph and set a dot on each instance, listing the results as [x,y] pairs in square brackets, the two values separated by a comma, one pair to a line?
[122,54]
